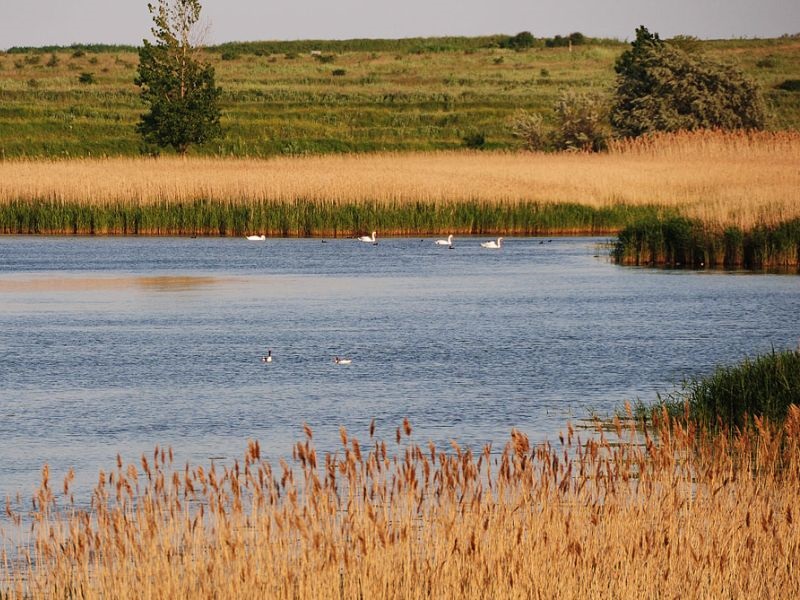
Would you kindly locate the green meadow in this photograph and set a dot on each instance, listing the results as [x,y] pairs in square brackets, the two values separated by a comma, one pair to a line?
[340,96]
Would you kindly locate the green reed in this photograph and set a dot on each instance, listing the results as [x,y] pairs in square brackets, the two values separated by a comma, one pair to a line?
[762,387]
[682,242]
[304,218]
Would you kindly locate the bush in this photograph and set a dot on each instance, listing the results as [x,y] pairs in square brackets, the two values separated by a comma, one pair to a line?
[581,119]
[790,85]
[339,72]
[53,62]
[530,129]
[325,58]
[768,62]
[475,140]
[78,54]
[577,38]
[661,88]
[524,39]
[229,55]
[687,43]
[86,78]
[573,39]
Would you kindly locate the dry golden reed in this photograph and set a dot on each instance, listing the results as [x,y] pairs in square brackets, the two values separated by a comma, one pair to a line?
[681,514]
[721,178]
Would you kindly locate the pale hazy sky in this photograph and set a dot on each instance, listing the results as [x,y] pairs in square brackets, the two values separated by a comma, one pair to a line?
[63,22]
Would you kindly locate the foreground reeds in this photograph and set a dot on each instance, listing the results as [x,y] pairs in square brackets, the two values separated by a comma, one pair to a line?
[681,514]
[738,180]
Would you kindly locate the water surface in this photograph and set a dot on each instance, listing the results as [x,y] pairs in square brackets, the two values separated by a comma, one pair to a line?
[114,345]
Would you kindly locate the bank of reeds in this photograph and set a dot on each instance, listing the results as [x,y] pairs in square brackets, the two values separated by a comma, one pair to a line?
[723,180]
[304,218]
[683,242]
[681,514]
[764,387]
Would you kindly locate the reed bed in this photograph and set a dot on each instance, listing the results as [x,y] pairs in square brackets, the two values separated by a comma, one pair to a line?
[720,179]
[682,513]
[683,242]
[766,386]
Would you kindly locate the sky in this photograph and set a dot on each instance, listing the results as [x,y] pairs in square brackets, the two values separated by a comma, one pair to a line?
[63,22]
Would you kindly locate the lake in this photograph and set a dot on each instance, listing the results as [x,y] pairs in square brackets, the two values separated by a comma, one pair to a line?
[115,345]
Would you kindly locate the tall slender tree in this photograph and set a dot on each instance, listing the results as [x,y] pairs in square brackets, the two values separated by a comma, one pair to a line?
[176,85]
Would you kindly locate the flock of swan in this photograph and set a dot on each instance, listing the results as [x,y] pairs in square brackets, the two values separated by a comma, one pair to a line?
[371,239]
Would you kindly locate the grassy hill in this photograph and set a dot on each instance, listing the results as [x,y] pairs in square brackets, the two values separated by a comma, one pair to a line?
[337,96]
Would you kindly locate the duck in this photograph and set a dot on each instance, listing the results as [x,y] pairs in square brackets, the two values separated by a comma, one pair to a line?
[341,361]
[492,244]
[447,242]
[367,239]
[256,238]
[267,358]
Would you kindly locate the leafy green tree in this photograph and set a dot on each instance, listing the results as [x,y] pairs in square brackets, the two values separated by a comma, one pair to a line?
[176,85]
[662,88]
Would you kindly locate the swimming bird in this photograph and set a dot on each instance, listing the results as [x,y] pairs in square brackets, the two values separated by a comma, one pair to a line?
[267,358]
[447,242]
[341,361]
[256,238]
[367,239]
[492,244]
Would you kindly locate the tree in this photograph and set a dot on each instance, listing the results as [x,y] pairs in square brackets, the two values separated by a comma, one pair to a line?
[177,86]
[662,88]
[524,39]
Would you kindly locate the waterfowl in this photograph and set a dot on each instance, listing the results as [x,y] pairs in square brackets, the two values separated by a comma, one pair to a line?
[492,244]
[267,358]
[256,238]
[367,239]
[341,361]
[447,242]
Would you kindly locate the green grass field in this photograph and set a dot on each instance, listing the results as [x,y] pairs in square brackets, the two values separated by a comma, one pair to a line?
[357,96]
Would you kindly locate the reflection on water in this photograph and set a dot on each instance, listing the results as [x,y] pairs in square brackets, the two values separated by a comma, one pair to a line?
[78,283]
[95,357]
[174,283]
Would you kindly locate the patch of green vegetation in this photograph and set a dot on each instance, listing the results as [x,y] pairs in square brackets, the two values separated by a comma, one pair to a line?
[762,387]
[676,241]
[308,219]
[398,95]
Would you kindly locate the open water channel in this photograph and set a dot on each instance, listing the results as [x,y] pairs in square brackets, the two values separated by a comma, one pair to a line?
[115,345]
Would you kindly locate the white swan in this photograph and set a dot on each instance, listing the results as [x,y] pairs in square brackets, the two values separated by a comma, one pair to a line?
[256,238]
[367,239]
[494,245]
[447,242]
[341,361]
[267,358]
